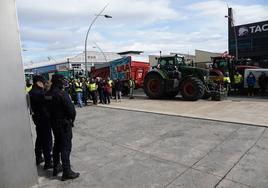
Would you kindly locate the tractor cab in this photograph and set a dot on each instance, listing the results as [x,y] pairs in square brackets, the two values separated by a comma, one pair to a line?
[170,62]
[170,65]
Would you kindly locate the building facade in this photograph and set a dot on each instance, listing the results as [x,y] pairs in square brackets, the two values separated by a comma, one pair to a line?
[249,41]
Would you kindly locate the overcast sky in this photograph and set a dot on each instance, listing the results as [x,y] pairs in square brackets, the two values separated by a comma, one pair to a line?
[57,28]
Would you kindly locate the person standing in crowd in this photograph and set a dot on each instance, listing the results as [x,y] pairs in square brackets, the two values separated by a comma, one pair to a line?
[251,80]
[72,90]
[101,90]
[118,90]
[238,80]
[262,80]
[92,87]
[110,83]
[131,88]
[85,90]
[40,116]
[28,86]
[79,92]
[106,91]
[62,115]
[227,82]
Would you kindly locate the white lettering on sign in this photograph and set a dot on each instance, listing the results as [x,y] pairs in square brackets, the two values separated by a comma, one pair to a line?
[252,29]
[258,29]
[243,31]
[265,27]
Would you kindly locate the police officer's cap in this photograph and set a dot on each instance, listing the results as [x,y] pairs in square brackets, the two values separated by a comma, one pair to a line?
[39,78]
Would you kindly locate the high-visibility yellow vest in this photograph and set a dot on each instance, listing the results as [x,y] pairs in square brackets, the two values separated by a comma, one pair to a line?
[131,84]
[78,87]
[28,89]
[92,87]
[237,78]
[110,82]
[227,79]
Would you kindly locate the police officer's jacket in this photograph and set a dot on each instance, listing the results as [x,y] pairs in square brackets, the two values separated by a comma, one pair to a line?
[38,105]
[60,105]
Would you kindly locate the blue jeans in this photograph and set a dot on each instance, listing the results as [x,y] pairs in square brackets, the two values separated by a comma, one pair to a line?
[79,98]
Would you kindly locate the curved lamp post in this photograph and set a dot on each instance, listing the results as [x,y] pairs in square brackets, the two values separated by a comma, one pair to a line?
[93,21]
[98,47]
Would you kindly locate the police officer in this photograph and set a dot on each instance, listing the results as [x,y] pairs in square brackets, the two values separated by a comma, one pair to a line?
[43,144]
[62,115]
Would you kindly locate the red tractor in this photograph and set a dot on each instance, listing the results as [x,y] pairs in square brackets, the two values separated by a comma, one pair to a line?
[227,65]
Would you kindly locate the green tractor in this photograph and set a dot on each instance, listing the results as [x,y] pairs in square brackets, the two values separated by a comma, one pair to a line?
[172,76]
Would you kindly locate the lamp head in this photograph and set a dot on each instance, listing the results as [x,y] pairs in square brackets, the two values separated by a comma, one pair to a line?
[107,16]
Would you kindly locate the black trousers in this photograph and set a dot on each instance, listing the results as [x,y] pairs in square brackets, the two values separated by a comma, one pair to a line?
[106,97]
[251,90]
[93,95]
[43,142]
[62,144]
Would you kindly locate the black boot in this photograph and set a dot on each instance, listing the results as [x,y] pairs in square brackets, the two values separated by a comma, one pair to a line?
[69,174]
[57,169]
[39,160]
[48,165]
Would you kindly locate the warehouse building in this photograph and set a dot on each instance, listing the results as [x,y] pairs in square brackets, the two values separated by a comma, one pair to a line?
[70,66]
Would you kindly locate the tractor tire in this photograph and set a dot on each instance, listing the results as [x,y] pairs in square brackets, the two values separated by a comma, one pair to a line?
[206,95]
[192,89]
[154,86]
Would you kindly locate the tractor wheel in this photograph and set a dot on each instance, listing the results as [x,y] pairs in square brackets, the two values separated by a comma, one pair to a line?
[192,89]
[206,95]
[154,86]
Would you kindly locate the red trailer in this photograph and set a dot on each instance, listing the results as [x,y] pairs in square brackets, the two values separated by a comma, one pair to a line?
[124,69]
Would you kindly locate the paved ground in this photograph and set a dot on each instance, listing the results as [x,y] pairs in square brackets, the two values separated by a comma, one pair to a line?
[236,109]
[125,149]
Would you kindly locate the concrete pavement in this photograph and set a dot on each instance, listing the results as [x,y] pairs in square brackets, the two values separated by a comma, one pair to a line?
[236,110]
[123,149]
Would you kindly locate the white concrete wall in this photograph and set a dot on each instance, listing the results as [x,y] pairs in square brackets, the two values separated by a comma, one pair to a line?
[17,163]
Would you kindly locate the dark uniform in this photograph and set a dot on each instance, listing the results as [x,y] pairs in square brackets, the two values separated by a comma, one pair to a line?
[62,115]
[40,118]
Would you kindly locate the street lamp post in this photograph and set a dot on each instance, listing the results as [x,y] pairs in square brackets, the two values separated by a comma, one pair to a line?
[97,46]
[231,24]
[93,21]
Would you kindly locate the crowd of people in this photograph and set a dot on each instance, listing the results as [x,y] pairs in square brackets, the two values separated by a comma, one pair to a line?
[251,81]
[97,90]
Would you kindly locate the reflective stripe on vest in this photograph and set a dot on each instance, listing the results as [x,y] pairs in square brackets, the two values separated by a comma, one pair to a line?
[78,87]
[92,87]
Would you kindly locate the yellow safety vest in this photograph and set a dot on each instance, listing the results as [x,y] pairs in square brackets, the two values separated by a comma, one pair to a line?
[131,84]
[237,78]
[92,87]
[28,89]
[110,82]
[78,87]
[227,79]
